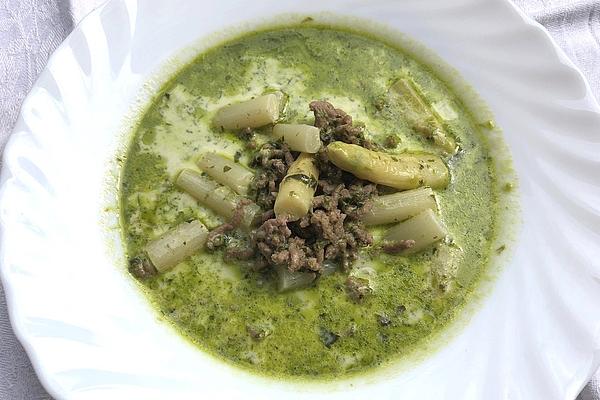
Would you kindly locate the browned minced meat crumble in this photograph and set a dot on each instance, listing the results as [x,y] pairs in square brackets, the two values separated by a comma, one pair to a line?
[357,288]
[336,125]
[398,247]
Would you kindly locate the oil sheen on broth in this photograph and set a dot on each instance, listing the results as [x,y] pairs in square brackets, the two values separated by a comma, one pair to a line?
[235,313]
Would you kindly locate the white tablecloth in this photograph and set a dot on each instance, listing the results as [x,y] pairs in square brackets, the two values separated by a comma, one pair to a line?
[31,29]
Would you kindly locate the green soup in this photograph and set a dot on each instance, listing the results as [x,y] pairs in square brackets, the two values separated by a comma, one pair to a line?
[236,313]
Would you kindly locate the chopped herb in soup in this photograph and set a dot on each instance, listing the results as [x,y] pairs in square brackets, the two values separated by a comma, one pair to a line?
[308,202]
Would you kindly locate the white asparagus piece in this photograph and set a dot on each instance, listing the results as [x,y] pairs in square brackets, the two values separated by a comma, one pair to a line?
[297,189]
[444,267]
[260,111]
[220,199]
[299,137]
[176,245]
[400,171]
[423,229]
[428,122]
[226,172]
[399,206]
[444,110]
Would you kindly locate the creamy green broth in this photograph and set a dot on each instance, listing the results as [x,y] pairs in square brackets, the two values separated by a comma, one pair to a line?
[216,305]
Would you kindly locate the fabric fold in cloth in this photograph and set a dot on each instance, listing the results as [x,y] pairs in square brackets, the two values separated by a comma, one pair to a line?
[30,30]
[575,27]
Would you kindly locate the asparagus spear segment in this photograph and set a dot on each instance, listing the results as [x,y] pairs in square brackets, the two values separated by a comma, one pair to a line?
[400,171]
[424,118]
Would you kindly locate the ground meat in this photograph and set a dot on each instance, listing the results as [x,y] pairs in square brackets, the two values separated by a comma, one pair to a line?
[238,251]
[246,134]
[297,256]
[336,125]
[362,236]
[398,246]
[270,153]
[272,162]
[247,137]
[326,233]
[329,224]
[349,193]
[218,236]
[357,288]
[271,237]
[277,246]
[354,200]
[257,332]
[142,268]
[391,142]
[327,171]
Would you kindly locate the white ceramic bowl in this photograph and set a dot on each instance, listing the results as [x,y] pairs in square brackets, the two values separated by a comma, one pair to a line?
[92,335]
